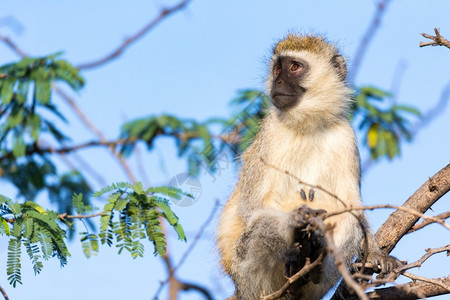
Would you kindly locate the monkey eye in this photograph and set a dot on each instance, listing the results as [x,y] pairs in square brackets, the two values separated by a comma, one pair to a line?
[295,67]
[277,71]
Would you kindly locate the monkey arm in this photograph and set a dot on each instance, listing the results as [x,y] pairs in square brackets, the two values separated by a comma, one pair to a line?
[229,230]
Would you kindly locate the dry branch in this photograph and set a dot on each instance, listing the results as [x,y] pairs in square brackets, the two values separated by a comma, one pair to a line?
[400,221]
[129,41]
[442,217]
[410,291]
[192,286]
[418,263]
[437,40]
[170,269]
[4,293]
[13,46]
[66,216]
[424,279]
[366,39]
[303,271]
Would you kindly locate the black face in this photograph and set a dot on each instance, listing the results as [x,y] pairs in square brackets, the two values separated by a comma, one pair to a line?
[288,74]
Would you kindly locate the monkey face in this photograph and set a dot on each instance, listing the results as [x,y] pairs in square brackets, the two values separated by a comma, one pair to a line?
[288,74]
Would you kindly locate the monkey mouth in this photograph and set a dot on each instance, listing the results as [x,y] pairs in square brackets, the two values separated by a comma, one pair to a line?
[284,102]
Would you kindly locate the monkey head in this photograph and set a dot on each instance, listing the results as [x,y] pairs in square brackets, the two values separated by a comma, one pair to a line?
[306,81]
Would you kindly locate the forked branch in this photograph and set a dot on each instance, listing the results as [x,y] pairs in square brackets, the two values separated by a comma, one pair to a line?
[437,40]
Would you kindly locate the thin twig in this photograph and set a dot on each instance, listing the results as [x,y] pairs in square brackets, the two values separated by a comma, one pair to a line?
[437,40]
[401,221]
[192,286]
[66,216]
[372,207]
[424,279]
[4,293]
[442,217]
[89,169]
[78,112]
[351,208]
[303,271]
[172,270]
[13,46]
[425,119]
[302,182]
[434,111]
[340,263]
[366,39]
[129,41]
[95,130]
[412,290]
[418,263]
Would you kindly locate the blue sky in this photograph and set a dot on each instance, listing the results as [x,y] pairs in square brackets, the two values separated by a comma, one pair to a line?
[191,66]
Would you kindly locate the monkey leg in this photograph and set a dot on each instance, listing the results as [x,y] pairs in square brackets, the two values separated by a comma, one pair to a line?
[276,244]
[258,265]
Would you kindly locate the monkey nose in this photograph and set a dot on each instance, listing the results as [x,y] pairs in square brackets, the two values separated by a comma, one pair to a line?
[280,82]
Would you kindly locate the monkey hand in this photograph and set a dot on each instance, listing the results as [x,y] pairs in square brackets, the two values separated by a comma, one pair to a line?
[299,222]
[307,242]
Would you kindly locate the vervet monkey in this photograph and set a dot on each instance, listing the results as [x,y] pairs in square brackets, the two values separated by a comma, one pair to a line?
[307,134]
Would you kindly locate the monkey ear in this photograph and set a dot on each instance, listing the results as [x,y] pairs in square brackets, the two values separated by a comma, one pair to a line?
[338,62]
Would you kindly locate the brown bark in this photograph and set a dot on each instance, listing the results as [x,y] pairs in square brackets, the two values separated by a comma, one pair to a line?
[400,222]
[409,291]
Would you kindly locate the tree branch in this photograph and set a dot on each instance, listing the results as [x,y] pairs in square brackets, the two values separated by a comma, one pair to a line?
[442,217]
[84,119]
[415,277]
[399,208]
[4,293]
[122,47]
[437,40]
[418,263]
[366,39]
[410,291]
[191,286]
[13,46]
[171,270]
[400,221]
[303,271]
[66,216]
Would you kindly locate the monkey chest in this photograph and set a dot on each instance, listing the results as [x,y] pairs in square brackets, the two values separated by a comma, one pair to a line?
[300,177]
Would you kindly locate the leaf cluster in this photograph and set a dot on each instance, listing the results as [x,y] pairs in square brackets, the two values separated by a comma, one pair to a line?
[28,224]
[382,128]
[138,212]
[32,175]
[25,87]
[193,139]
[196,141]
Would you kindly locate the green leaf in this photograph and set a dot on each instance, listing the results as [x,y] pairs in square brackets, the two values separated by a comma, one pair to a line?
[112,187]
[13,265]
[42,91]
[7,91]
[28,228]
[407,108]
[46,244]
[35,122]
[22,90]
[16,208]
[19,146]
[6,226]
[89,244]
[154,232]
[33,253]
[137,188]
